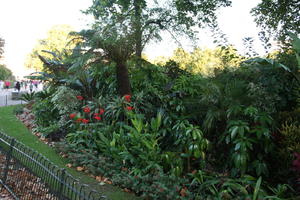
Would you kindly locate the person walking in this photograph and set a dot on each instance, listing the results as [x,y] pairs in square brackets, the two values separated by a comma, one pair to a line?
[18,86]
[30,87]
[7,84]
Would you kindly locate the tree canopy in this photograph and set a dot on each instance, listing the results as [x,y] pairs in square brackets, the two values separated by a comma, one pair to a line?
[122,28]
[277,18]
[5,73]
[57,41]
[205,61]
[144,20]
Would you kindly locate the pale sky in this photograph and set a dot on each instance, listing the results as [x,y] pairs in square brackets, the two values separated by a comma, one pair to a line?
[22,23]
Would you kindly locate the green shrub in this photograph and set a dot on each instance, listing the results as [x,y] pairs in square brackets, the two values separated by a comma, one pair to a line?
[28,97]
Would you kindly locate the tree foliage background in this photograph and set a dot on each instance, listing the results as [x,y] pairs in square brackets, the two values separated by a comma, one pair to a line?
[277,18]
[57,41]
[2,42]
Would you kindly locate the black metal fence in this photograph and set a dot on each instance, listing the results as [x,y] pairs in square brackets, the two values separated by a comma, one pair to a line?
[28,175]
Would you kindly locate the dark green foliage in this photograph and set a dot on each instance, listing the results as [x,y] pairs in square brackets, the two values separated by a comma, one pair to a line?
[277,18]
[216,136]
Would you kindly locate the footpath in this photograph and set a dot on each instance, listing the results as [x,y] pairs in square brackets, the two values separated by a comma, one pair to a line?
[6,96]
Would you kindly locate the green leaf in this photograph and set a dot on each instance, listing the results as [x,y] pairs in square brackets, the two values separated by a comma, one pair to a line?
[237,146]
[234,131]
[257,188]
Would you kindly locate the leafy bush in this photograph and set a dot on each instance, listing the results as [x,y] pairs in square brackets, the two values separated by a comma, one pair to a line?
[64,100]
[28,97]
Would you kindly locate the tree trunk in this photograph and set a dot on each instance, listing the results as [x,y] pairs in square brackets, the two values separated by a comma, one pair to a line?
[138,28]
[123,79]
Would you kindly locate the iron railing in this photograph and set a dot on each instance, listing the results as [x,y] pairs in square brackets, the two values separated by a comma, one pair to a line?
[26,174]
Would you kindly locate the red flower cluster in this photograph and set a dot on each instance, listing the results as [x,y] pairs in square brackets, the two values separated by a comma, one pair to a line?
[129,108]
[127,98]
[85,121]
[72,115]
[101,111]
[97,115]
[97,118]
[79,97]
[86,109]
[79,120]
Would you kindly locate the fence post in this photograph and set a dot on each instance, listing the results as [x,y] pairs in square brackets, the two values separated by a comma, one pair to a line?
[8,157]
[62,182]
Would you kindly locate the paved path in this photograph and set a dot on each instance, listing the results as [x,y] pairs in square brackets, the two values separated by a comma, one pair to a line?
[5,97]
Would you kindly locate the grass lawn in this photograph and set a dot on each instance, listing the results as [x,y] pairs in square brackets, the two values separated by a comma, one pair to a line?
[11,126]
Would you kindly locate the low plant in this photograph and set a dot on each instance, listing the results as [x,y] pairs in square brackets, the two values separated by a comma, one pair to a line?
[28,97]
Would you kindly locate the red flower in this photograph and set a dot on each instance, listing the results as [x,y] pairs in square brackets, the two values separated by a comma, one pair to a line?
[79,97]
[72,115]
[101,111]
[86,109]
[79,120]
[129,108]
[127,98]
[97,118]
[85,121]
[96,114]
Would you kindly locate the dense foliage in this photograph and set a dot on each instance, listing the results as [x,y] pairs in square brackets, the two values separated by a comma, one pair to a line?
[205,125]
[204,61]
[230,135]
[57,41]
[276,19]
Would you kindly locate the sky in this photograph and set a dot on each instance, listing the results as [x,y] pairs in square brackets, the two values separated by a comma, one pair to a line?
[22,23]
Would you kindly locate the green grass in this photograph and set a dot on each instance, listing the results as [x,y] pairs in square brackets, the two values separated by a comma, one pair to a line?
[11,126]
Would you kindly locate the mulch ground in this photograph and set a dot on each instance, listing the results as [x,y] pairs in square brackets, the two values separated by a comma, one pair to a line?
[4,194]
[24,184]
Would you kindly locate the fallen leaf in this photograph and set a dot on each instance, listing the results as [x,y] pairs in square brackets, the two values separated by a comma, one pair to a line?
[79,169]
[98,178]
[69,165]
[183,192]
[126,190]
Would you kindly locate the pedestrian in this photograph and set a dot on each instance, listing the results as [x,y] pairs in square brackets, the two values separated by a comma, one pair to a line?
[25,85]
[35,83]
[30,87]
[18,86]
[7,84]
